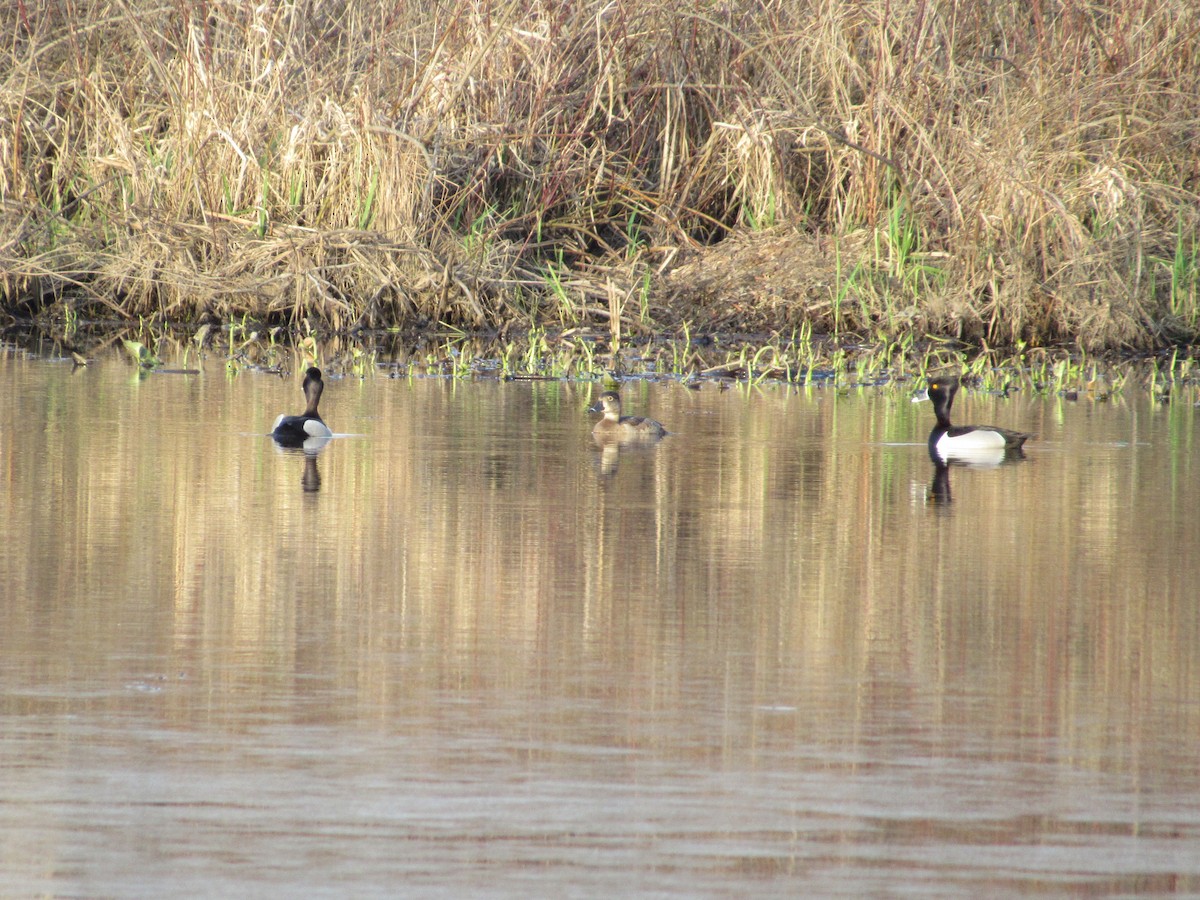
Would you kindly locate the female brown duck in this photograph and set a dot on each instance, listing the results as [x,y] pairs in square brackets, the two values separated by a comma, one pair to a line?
[619,427]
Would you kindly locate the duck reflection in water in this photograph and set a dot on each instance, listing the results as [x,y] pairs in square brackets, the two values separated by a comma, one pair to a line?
[310,481]
[939,488]
[311,448]
[611,452]
[610,457]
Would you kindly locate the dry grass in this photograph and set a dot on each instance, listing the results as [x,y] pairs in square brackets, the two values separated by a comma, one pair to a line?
[994,170]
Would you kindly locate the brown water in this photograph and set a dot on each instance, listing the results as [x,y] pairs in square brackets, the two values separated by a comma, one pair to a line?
[464,653]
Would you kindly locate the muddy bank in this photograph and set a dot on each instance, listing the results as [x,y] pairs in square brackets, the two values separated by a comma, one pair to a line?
[691,357]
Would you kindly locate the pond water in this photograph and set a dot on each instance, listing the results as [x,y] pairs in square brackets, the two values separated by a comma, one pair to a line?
[465,652]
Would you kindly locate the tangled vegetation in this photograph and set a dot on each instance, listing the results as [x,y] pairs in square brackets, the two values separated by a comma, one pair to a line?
[1005,173]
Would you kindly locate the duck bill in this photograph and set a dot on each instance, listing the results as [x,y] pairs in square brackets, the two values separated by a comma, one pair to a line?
[598,406]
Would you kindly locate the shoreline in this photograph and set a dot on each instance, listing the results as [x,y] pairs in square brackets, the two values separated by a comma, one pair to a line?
[587,355]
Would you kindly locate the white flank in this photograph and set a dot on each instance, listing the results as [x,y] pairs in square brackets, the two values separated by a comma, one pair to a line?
[979,439]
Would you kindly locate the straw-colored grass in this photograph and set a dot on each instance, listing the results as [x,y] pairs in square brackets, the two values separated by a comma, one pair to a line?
[995,170]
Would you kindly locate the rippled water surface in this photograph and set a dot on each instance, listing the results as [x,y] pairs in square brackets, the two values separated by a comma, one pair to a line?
[463,651]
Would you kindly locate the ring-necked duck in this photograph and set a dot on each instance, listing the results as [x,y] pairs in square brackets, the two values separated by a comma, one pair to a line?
[966,442]
[615,425]
[295,430]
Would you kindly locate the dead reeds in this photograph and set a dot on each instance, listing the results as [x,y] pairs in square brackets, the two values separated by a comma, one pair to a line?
[993,170]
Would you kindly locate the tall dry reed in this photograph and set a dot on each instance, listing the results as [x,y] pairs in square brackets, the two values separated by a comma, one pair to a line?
[1004,171]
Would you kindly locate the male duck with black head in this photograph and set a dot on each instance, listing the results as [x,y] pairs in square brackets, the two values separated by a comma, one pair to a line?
[980,445]
[616,427]
[295,431]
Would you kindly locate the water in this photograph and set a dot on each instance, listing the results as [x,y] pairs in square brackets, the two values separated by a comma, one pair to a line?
[463,652]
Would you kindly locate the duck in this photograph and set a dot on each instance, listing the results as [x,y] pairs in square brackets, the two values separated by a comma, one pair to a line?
[619,427]
[293,431]
[967,443]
